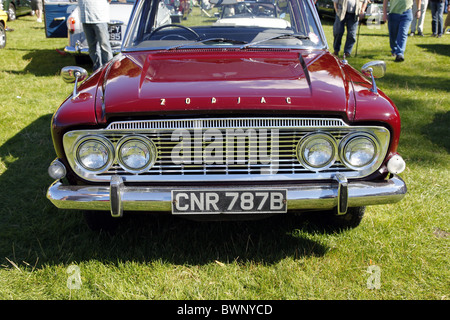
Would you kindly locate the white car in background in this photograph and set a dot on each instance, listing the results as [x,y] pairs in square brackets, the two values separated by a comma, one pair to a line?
[120,12]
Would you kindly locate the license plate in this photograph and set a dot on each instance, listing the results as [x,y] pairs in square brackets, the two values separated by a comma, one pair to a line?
[115,32]
[229,201]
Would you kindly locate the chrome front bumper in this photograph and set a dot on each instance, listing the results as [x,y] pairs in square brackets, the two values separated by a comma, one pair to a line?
[84,51]
[117,197]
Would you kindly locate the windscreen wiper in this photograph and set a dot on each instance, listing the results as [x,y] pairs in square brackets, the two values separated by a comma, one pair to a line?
[212,40]
[279,36]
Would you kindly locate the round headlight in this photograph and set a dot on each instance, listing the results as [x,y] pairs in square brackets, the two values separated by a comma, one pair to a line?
[136,154]
[94,154]
[358,151]
[317,151]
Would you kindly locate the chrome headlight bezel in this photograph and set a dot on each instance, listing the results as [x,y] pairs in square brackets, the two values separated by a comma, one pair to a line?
[148,144]
[109,149]
[348,139]
[306,141]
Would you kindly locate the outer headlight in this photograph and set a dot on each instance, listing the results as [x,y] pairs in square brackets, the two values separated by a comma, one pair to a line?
[317,151]
[359,150]
[136,154]
[94,153]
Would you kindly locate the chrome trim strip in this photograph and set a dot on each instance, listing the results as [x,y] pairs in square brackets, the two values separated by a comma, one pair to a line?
[312,196]
[227,123]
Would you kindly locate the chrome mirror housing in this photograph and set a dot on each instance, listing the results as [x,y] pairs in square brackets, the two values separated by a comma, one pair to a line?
[374,69]
[73,74]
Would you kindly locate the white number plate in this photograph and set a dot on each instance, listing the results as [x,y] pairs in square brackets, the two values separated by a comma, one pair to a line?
[115,32]
[229,201]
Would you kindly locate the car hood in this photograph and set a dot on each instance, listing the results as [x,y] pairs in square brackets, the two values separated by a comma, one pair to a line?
[205,82]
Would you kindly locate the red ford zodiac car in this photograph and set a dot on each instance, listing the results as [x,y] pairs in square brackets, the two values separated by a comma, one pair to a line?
[233,113]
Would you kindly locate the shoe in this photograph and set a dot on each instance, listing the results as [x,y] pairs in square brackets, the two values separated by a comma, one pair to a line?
[39,20]
[420,34]
[336,53]
[411,34]
[439,36]
[434,35]
[399,58]
[346,55]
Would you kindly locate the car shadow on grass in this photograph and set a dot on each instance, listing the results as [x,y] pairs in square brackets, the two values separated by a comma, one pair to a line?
[33,231]
[45,62]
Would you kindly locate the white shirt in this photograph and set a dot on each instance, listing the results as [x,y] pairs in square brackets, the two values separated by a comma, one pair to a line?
[94,11]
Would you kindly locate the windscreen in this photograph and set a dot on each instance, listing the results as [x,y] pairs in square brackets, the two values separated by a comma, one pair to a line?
[180,24]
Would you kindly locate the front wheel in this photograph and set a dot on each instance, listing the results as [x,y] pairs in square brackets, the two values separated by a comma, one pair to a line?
[101,221]
[11,12]
[350,220]
[2,36]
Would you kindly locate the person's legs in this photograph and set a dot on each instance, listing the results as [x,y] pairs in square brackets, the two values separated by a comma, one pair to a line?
[423,11]
[89,31]
[338,32]
[402,35]
[440,18]
[393,23]
[414,21]
[103,42]
[352,28]
[434,18]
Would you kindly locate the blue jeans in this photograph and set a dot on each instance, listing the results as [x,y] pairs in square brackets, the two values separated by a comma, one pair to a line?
[351,22]
[437,17]
[97,37]
[398,25]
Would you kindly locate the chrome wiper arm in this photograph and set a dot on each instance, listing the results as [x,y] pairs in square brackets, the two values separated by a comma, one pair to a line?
[214,40]
[279,36]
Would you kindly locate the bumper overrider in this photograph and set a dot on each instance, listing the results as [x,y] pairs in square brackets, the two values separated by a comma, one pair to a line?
[118,197]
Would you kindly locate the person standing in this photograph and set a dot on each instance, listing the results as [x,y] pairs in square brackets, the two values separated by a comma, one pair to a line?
[94,15]
[399,21]
[36,5]
[348,13]
[437,17]
[418,22]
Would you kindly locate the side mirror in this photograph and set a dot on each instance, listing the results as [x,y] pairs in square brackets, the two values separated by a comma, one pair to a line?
[73,74]
[374,69]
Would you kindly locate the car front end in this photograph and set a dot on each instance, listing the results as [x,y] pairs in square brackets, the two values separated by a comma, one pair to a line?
[227,120]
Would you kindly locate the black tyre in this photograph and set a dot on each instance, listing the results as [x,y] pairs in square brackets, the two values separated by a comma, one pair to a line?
[350,220]
[11,12]
[2,36]
[81,60]
[101,221]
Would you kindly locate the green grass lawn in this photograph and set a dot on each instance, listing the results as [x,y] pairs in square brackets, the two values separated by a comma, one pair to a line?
[280,258]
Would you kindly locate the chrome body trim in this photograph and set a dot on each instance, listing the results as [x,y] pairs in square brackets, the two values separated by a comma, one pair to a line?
[311,196]
[283,164]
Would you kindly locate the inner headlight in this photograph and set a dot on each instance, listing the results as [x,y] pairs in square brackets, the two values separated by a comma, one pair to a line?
[94,153]
[136,154]
[317,151]
[358,150]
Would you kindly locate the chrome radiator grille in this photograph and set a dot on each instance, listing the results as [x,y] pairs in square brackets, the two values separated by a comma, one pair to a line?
[253,149]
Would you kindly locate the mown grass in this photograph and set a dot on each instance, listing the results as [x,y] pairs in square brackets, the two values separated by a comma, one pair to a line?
[280,258]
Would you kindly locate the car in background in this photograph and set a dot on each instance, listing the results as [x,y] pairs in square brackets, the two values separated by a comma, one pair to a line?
[373,14]
[229,121]
[250,13]
[120,11]
[56,13]
[16,8]
[3,19]
[179,9]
